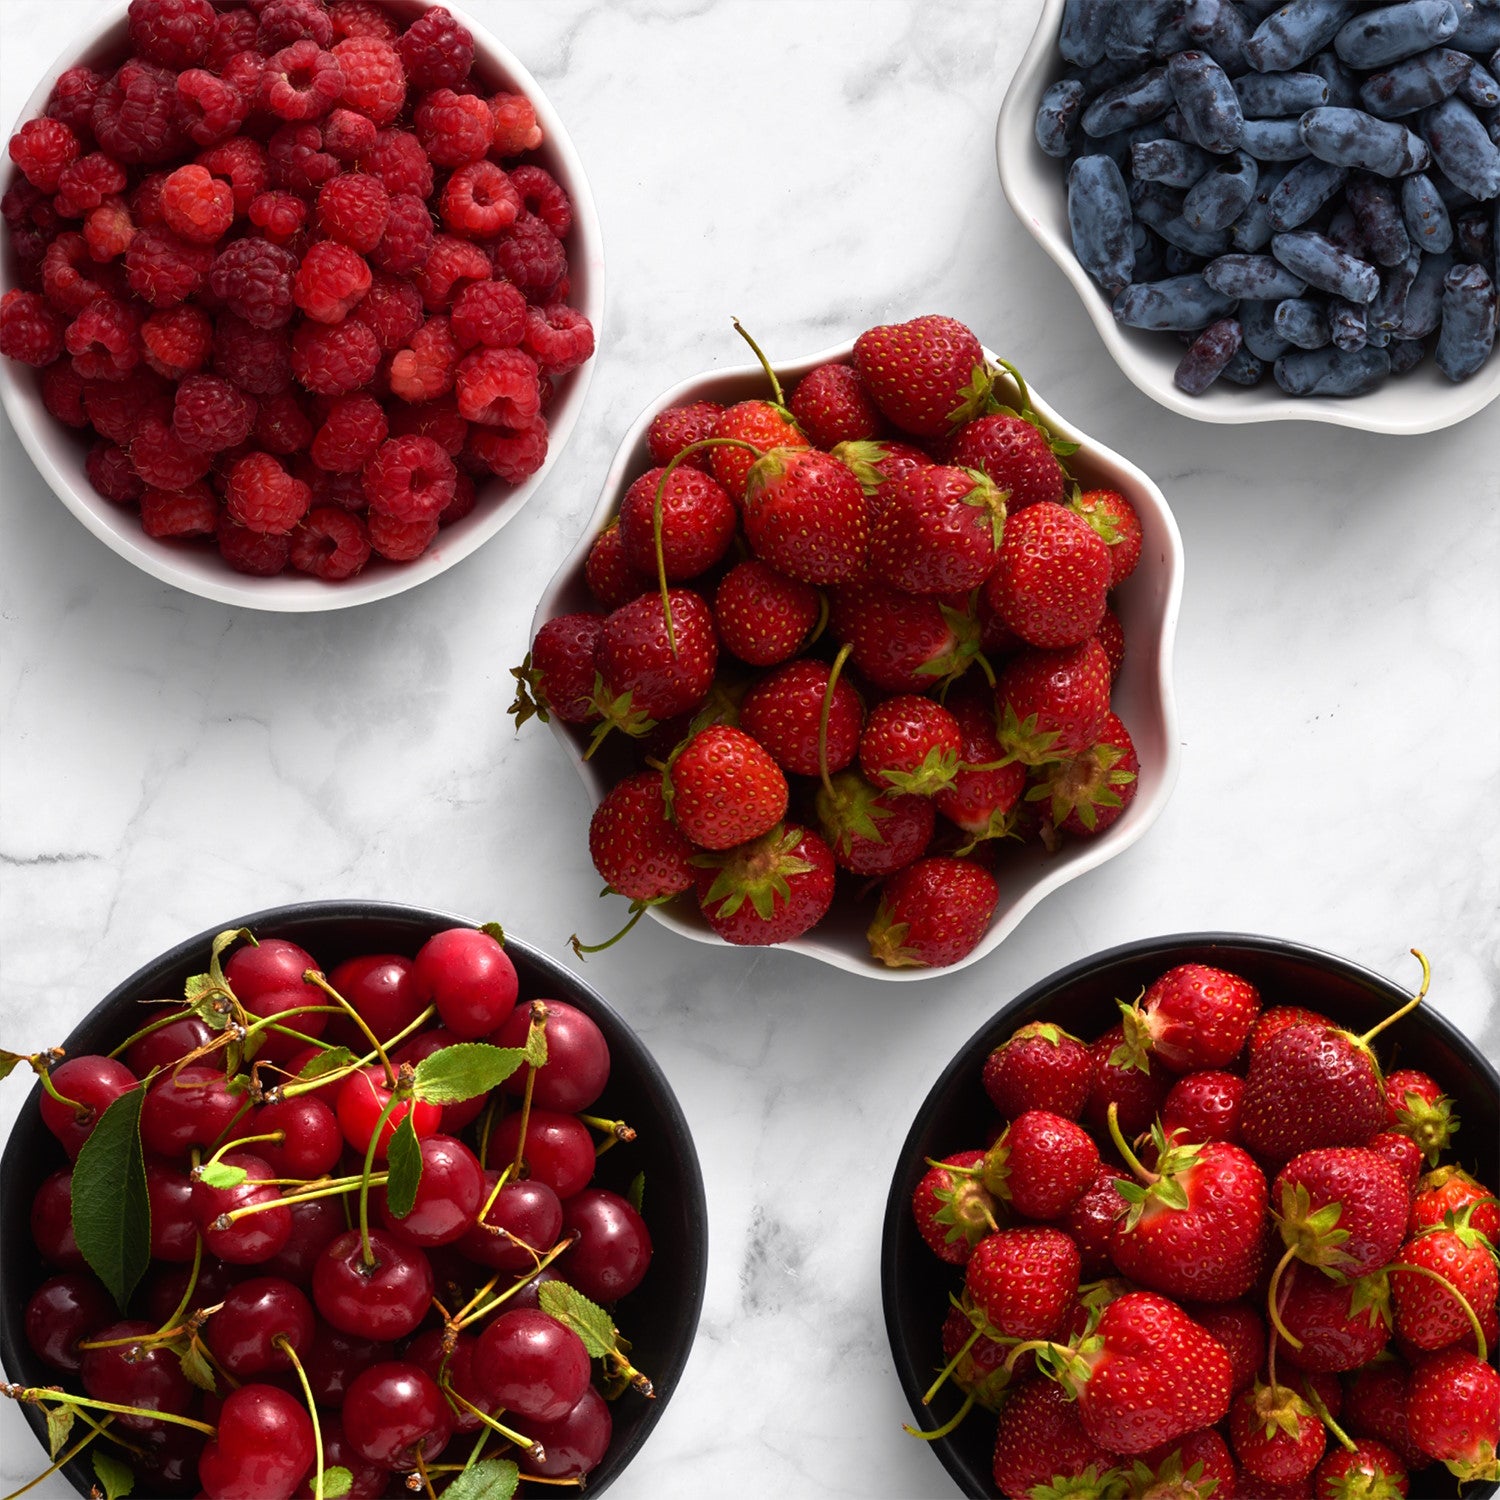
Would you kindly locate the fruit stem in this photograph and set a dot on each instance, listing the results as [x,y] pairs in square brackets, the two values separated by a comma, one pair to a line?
[1410,1005]
[489,1421]
[637,911]
[1014,1357]
[81,1110]
[1315,1401]
[1468,1308]
[1016,376]
[947,1427]
[823,713]
[244,1140]
[421,1468]
[314,978]
[1271,1304]
[290,1200]
[950,1367]
[466,1316]
[134,1037]
[282,1342]
[1131,1159]
[95,1430]
[489,1202]
[515,1166]
[187,1292]
[40,1395]
[364,1179]
[765,364]
[616,1128]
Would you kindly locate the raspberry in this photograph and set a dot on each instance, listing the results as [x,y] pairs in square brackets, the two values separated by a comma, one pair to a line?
[135,115]
[249,551]
[512,456]
[530,255]
[353,208]
[104,340]
[73,97]
[108,230]
[393,309]
[398,160]
[463,501]
[330,282]
[286,22]
[400,541]
[41,148]
[558,337]
[176,341]
[243,163]
[351,432]
[255,280]
[330,544]
[498,388]
[492,313]
[110,472]
[479,201]
[346,491]
[332,360]
[162,459]
[86,183]
[62,386]
[174,33]
[190,512]
[407,241]
[261,495]
[361,18]
[281,426]
[424,370]
[29,330]
[347,135]
[23,205]
[258,360]
[449,264]
[438,420]
[243,74]
[410,478]
[210,109]
[438,51]
[298,161]
[374,78]
[454,129]
[117,409]
[71,277]
[516,129]
[164,269]
[301,82]
[543,196]
[233,35]
[280,217]
[210,413]
[197,205]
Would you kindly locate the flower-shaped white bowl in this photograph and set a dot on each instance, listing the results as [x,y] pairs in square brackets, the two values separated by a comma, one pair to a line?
[58,451]
[1147,604]
[1035,185]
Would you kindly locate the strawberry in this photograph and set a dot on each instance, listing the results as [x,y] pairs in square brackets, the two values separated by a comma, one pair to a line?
[1453,1407]
[1194,1469]
[1429,1268]
[1040,1066]
[877,465]
[910,744]
[1376,1407]
[1041,1440]
[954,1210]
[1242,1332]
[1193,1016]
[980,802]
[1278,1018]
[932,913]
[783,711]
[1339,1325]
[1015,453]
[1041,1164]
[557,675]
[769,890]
[978,1362]
[937,530]
[723,788]
[901,643]
[872,832]
[832,406]
[1111,635]
[635,846]
[1276,1435]
[679,427]
[1343,1209]
[1450,1190]
[611,578]
[1091,1219]
[806,515]
[1086,793]
[1367,1471]
[1053,704]
[1024,1281]
[764,425]
[697,522]
[1051,576]
[1419,1108]
[1112,517]
[1204,1107]
[1137,1095]
[1403,1153]
[763,616]
[927,375]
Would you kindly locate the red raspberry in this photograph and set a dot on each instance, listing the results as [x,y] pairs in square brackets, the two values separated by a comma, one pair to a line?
[73,97]
[210,109]
[197,205]
[249,551]
[210,414]
[374,78]
[233,36]
[543,196]
[463,501]
[174,33]
[298,161]
[492,313]
[29,330]
[347,135]
[352,209]
[280,217]
[177,341]
[301,82]
[86,183]
[558,337]
[398,160]
[71,277]
[330,544]
[478,201]
[256,281]
[530,255]
[450,263]
[190,512]
[351,432]
[62,387]
[516,129]
[108,230]
[454,129]
[393,309]
[425,370]
[331,281]
[334,359]
[679,427]
[400,541]
[513,456]
[261,495]
[281,426]
[438,51]
[42,148]
[117,409]
[162,459]
[361,18]
[438,420]
[286,22]
[135,115]
[111,473]
[498,388]
[346,491]
[164,269]
[25,206]
[242,163]
[104,340]
[258,360]
[410,478]
[407,241]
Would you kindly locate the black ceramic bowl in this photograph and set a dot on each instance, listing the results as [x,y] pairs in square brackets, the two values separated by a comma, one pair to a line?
[659,1318]
[956,1114]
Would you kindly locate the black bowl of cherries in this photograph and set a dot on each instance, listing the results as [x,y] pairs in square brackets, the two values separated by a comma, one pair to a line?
[353,1199]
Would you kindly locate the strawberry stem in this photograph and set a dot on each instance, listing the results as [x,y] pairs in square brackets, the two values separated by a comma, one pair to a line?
[637,911]
[1315,1401]
[1015,1355]
[765,364]
[947,1427]
[1131,1159]
[1468,1307]
[1272,1300]
[950,1367]
[827,708]
[1410,1005]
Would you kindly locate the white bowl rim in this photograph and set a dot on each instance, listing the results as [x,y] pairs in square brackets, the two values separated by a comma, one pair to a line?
[1080,855]
[1418,410]
[291,593]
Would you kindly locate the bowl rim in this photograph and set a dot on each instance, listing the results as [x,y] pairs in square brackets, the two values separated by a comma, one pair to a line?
[293,593]
[1082,856]
[689,1294]
[1015,144]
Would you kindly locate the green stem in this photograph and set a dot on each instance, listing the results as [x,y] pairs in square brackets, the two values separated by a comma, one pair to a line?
[464,1319]
[489,1421]
[314,978]
[823,713]
[1315,1401]
[283,1343]
[134,1037]
[46,1076]
[1482,1348]
[947,1427]
[1131,1159]
[192,1285]
[290,1200]
[364,1179]
[1410,1005]
[40,1395]
[1272,1300]
[950,1367]
[765,364]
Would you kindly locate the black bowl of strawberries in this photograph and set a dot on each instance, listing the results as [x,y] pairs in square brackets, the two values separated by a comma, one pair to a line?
[387,1165]
[1193,1209]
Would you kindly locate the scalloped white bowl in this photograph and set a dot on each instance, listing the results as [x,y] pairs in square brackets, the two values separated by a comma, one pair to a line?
[1035,185]
[1147,604]
[58,451]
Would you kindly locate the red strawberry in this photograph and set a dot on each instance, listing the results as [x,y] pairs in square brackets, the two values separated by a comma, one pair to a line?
[697,522]
[980,802]
[1111,635]
[910,744]
[1342,1209]
[954,1210]
[1453,1407]
[1429,1268]
[1276,1435]
[1137,1095]
[783,711]
[1204,1107]
[926,375]
[1450,1190]
[642,678]
[901,643]
[679,427]
[806,515]
[1339,1325]
[1242,1332]
[937,530]
[769,890]
[1091,1219]
[1193,1469]
[1051,577]
[1420,1109]
[763,616]
[1276,1019]
[1194,1016]
[1016,454]
[1376,1407]
[872,832]
[1053,704]
[762,424]
[832,406]
[1041,1066]
[608,572]
[1041,1441]
[557,676]
[1024,1281]
[932,913]
[723,788]
[1041,1164]
[1113,518]
[877,465]
[1367,1471]
[1085,794]
[1403,1153]
[635,846]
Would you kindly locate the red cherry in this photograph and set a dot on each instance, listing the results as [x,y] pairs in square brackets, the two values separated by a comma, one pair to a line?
[463,1111]
[426,1351]
[385,1300]
[448,1198]
[257,1236]
[193,1107]
[264,1446]
[243,1333]
[573,1444]
[577,1066]
[256,969]
[559,1149]
[470,978]
[383,989]
[392,1411]
[91,1084]
[136,1375]
[311,1141]
[167,1045]
[174,1231]
[363,1098]
[334,1358]
[529,1213]
[613,1250]
[62,1311]
[530,1364]
[52,1222]
[315,1224]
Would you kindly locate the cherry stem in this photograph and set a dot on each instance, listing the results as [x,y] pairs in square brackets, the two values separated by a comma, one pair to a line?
[467,1316]
[950,1367]
[489,1202]
[947,1427]
[364,1179]
[489,1421]
[617,1129]
[243,1140]
[823,713]
[422,1471]
[515,1166]
[41,1395]
[314,978]
[1131,1159]
[134,1037]
[1410,1005]
[192,1284]
[78,1109]
[290,1200]
[1271,1306]
[1468,1307]
[765,364]
[282,1342]
[96,1429]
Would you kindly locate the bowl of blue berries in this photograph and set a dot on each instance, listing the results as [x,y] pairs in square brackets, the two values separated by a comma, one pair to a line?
[1272,213]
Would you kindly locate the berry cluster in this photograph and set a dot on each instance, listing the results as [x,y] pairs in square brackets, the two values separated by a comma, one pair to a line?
[362,1221]
[299,274]
[863,631]
[1214,1251]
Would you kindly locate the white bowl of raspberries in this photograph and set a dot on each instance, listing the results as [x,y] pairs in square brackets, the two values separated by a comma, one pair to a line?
[901,667]
[299,297]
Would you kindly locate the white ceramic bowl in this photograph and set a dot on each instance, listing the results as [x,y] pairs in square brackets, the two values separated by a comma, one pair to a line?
[58,451]
[1035,185]
[1147,604]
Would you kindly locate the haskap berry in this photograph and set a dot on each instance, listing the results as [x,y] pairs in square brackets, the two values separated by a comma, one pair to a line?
[291,1239]
[254,196]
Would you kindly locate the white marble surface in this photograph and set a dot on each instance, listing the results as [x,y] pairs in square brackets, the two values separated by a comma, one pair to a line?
[812,166]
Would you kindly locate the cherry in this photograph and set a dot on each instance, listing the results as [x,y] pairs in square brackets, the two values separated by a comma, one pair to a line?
[448,1196]
[395,1410]
[577,1066]
[167,1045]
[385,1300]
[170,1457]
[559,1149]
[92,1084]
[174,1232]
[469,977]
[327,1092]
[192,1107]
[613,1249]
[52,1222]
[314,1224]
[334,1358]
[530,1364]
[243,1334]
[367,1480]
[264,1446]
[312,1141]
[63,1310]
[462,1111]
[130,1374]
[289,1008]
[529,1293]
[257,969]
[572,1445]
[257,1236]
[382,988]
[426,1352]
[364,1096]
[526,1210]
[161,1292]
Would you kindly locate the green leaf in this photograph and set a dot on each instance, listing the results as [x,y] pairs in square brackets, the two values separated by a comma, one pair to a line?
[60,1421]
[494,930]
[8,1060]
[587,1319]
[490,1479]
[336,1481]
[328,1061]
[218,1174]
[535,1050]
[111,1209]
[636,1191]
[206,1001]
[196,1367]
[116,1478]
[403,1163]
[464,1071]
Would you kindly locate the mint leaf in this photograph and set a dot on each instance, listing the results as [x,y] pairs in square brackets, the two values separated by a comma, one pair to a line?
[464,1071]
[490,1479]
[116,1478]
[403,1161]
[336,1481]
[111,1209]
[218,1174]
[587,1319]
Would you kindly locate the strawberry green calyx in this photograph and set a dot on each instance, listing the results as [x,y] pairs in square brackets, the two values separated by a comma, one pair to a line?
[938,769]
[529,697]
[887,939]
[760,875]
[986,496]
[1023,741]
[1134,1050]
[1278,1408]
[1084,785]
[1432,1125]
[1312,1235]
[1485,1465]
[976,398]
[1070,1365]
[969,1209]
[954,662]
[1363,1484]
[1168,1481]
[616,711]
[863,458]
[1061,447]
[1161,1189]
[848,807]
[1091,1484]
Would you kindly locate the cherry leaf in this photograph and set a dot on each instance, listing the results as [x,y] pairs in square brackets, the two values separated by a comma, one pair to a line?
[490,1479]
[403,1162]
[464,1071]
[494,930]
[59,1424]
[636,1191]
[587,1319]
[330,1060]
[111,1209]
[197,1368]
[219,1174]
[8,1060]
[535,1050]
[115,1476]
[336,1481]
